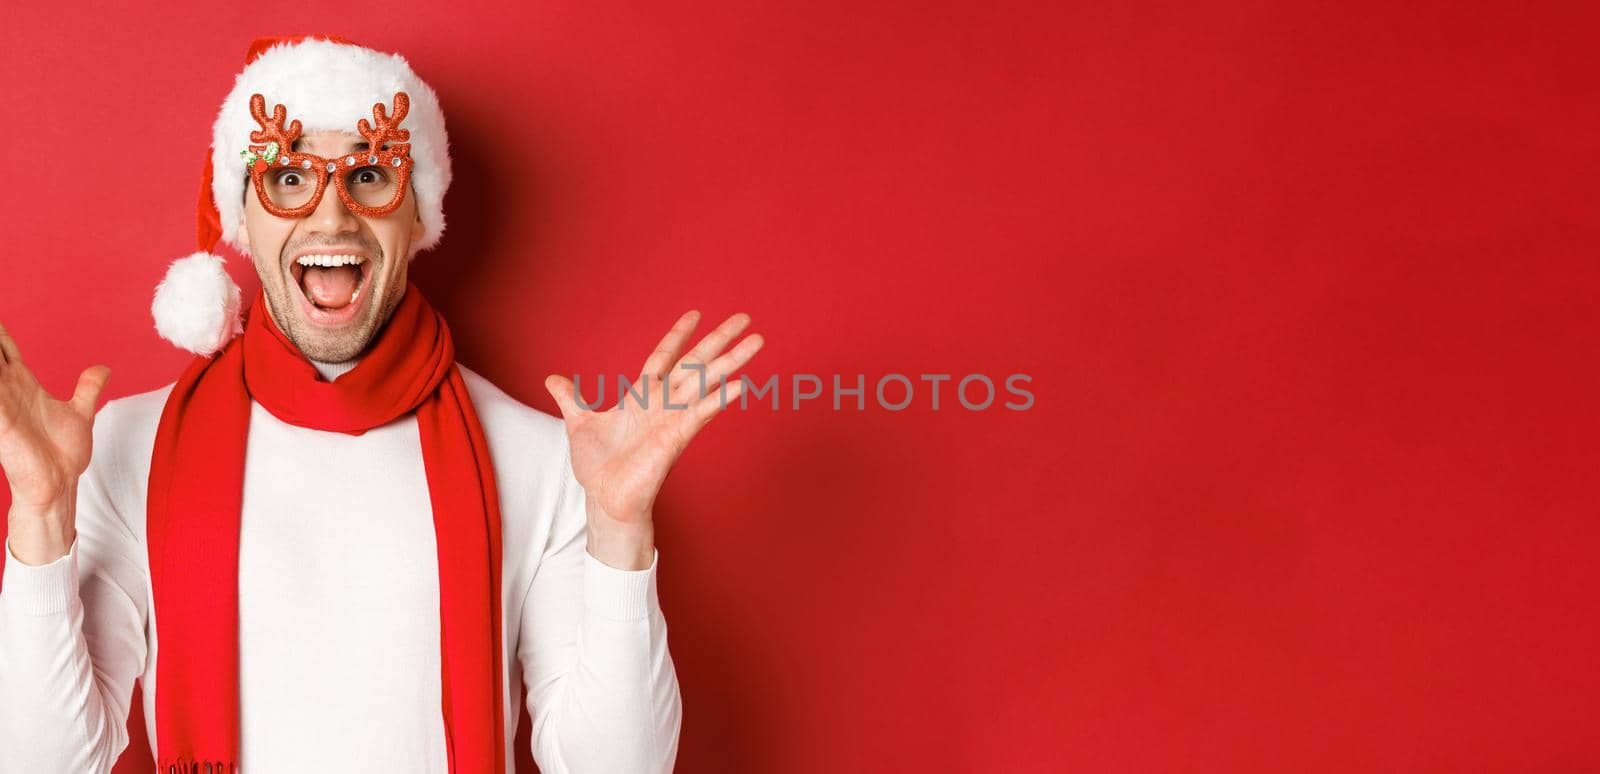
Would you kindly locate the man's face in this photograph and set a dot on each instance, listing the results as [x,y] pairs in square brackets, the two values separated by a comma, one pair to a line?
[331,313]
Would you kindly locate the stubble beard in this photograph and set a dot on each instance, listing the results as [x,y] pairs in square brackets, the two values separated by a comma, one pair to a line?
[321,344]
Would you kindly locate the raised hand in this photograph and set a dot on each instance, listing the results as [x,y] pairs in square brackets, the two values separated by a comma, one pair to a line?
[623,454]
[44,447]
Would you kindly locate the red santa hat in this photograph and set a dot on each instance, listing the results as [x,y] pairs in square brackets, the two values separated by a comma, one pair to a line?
[326,83]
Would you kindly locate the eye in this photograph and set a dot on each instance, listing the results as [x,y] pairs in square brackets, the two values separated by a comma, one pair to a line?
[289,178]
[369,176]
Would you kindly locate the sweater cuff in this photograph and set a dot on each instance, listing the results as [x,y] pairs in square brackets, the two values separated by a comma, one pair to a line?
[43,589]
[616,594]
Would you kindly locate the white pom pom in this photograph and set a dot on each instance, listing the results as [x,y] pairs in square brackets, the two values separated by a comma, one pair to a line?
[197,305]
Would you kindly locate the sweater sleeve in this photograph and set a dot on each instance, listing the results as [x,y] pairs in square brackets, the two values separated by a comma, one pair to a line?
[602,689]
[72,642]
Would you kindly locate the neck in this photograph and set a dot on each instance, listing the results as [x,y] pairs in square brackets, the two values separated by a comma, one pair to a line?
[332,371]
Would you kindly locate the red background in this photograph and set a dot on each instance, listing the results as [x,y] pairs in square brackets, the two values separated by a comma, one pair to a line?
[1305,290]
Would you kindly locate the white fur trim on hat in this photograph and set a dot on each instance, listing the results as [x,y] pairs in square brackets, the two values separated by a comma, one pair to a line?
[197,305]
[330,86]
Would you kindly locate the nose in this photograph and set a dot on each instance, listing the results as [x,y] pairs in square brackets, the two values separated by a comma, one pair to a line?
[331,217]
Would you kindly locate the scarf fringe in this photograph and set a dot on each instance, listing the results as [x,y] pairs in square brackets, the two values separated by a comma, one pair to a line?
[186,765]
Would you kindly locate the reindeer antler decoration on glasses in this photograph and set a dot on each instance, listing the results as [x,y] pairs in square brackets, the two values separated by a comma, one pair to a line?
[371,182]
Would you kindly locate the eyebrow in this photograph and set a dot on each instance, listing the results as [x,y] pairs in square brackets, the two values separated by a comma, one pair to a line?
[359,146]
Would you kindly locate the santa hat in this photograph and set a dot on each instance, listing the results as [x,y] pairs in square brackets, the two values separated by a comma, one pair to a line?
[326,83]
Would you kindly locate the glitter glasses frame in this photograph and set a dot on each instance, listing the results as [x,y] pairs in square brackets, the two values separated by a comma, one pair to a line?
[275,155]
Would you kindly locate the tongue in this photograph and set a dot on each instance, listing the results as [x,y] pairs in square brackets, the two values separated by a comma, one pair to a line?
[330,287]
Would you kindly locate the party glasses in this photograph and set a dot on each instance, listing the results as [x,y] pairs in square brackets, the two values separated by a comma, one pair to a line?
[371,182]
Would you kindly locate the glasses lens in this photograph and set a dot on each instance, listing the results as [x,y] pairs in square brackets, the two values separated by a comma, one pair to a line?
[372,186]
[289,187]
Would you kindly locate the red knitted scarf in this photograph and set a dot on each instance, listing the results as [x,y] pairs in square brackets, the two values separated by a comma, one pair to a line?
[196,484]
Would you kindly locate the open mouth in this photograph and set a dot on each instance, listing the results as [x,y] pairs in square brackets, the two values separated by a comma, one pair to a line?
[331,285]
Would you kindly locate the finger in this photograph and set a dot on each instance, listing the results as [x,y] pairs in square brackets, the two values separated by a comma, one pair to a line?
[90,383]
[8,347]
[728,364]
[667,351]
[717,340]
[560,388]
[709,406]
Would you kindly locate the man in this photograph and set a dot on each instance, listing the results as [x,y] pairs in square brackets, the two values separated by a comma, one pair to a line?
[328,546]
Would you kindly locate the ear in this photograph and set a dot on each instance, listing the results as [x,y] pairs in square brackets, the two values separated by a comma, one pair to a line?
[416,226]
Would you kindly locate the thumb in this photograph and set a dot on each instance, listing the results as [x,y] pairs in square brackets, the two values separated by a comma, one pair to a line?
[90,383]
[560,388]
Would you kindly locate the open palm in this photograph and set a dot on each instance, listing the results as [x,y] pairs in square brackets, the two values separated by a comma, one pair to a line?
[622,455]
[44,443]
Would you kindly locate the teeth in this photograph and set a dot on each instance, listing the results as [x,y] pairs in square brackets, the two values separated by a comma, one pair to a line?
[330,260]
